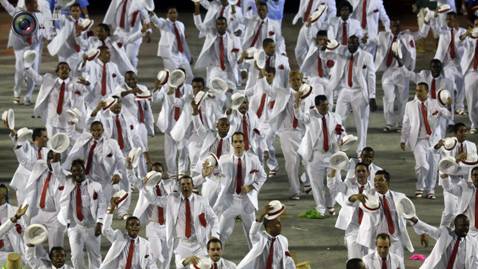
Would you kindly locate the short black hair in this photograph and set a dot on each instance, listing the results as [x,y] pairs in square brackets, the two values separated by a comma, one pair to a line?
[61,63]
[105,27]
[263,3]
[132,218]
[200,80]
[186,176]
[319,99]
[355,263]
[37,132]
[345,3]
[3,186]
[321,33]
[460,216]
[368,148]
[423,84]
[384,236]
[457,126]
[78,162]
[55,249]
[221,18]
[213,240]
[361,164]
[96,122]
[236,133]
[267,41]
[385,174]
[75,5]
[270,69]
[436,61]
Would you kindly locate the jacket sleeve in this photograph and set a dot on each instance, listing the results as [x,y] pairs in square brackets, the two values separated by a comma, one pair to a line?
[108,231]
[6,227]
[255,232]
[101,210]
[261,176]
[423,228]
[451,188]
[371,77]
[212,219]
[31,258]
[405,125]
[8,7]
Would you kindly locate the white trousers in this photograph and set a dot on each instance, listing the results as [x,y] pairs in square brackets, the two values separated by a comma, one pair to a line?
[56,231]
[156,234]
[132,51]
[302,46]
[317,172]
[352,99]
[210,189]
[395,96]
[289,142]
[172,151]
[471,93]
[272,162]
[453,72]
[184,249]
[83,237]
[425,166]
[450,204]
[240,207]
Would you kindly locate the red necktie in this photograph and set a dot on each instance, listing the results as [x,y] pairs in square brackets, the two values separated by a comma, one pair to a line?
[261,105]
[272,104]
[320,69]
[350,73]
[76,46]
[45,190]
[221,53]
[452,45]
[434,89]
[270,257]
[61,96]
[129,259]
[79,203]
[268,62]
[91,152]
[325,132]
[29,41]
[178,38]
[214,266]
[123,14]
[39,157]
[134,18]
[476,209]
[177,110]
[256,36]
[388,215]
[451,261]
[119,129]
[384,263]
[364,14]
[188,230]
[219,148]
[245,130]
[295,122]
[307,11]
[390,54]
[475,58]
[360,211]
[160,209]
[221,14]
[103,80]
[344,33]
[239,176]
[423,109]
[140,112]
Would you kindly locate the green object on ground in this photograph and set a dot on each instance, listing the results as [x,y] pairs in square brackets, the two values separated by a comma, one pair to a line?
[312,214]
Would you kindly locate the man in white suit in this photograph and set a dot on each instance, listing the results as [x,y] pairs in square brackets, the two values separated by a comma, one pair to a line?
[22,43]
[214,255]
[469,69]
[173,47]
[419,134]
[83,208]
[57,257]
[243,179]
[128,250]
[27,153]
[349,193]
[260,28]
[464,152]
[466,193]
[450,52]
[220,54]
[385,218]
[453,248]
[44,189]
[270,248]
[321,140]
[215,10]
[354,75]
[12,237]
[58,93]
[307,7]
[343,26]
[382,258]
[367,157]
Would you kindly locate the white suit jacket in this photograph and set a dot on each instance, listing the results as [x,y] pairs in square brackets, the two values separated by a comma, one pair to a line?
[464,191]
[33,189]
[426,76]
[254,176]
[310,64]
[363,71]
[407,45]
[97,201]
[469,46]
[442,52]
[335,28]
[167,46]
[15,236]
[256,133]
[259,241]
[280,63]
[119,241]
[234,21]
[367,231]
[331,9]
[165,120]
[313,136]
[411,121]
[375,11]
[273,31]
[444,237]
[374,261]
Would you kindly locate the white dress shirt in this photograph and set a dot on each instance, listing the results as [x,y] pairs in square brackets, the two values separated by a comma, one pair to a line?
[135,264]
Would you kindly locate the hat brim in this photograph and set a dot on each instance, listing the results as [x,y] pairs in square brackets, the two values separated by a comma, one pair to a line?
[163,81]
[276,214]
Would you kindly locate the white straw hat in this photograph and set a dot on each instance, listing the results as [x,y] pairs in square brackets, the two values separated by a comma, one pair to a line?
[59,142]
[406,208]
[8,116]
[277,208]
[29,57]
[176,78]
[35,234]
[134,155]
[339,160]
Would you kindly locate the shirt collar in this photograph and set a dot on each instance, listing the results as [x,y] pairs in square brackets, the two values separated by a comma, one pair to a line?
[60,81]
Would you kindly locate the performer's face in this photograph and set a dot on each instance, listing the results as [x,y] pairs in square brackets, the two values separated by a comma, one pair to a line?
[295,81]
[214,251]
[105,55]
[383,246]
[262,11]
[450,20]
[344,13]
[221,26]
[77,173]
[133,226]
[270,77]
[270,49]
[367,156]
[75,12]
[223,127]
[436,69]
[421,92]
[462,226]
[186,186]
[461,133]
[197,87]
[57,258]
[361,173]
[238,144]
[32,6]
[322,42]
[244,107]
[474,177]
[96,131]
[274,227]
[116,108]
[41,140]
[381,184]
[130,80]
[353,44]
[172,14]
[323,107]
[63,71]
